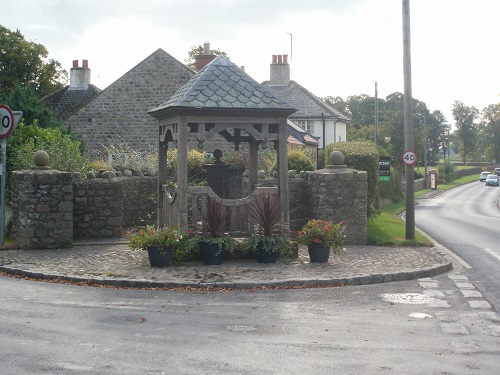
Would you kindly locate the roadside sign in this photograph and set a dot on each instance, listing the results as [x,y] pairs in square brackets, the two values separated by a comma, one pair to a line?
[409,157]
[384,168]
[7,121]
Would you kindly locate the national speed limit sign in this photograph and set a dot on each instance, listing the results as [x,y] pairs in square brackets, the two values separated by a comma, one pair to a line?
[409,157]
[6,121]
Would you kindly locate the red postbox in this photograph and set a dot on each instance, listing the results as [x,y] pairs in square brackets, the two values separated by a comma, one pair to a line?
[433,179]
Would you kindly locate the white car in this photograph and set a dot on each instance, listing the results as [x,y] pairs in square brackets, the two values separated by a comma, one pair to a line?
[483,176]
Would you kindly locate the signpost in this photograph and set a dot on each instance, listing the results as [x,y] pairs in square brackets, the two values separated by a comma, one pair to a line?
[384,168]
[8,121]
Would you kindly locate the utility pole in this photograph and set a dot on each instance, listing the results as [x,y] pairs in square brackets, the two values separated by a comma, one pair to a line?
[376,115]
[425,149]
[408,123]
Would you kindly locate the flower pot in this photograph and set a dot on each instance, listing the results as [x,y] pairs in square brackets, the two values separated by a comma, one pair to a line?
[210,253]
[264,256]
[159,256]
[318,253]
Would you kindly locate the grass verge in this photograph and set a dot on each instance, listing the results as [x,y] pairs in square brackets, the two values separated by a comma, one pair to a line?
[388,229]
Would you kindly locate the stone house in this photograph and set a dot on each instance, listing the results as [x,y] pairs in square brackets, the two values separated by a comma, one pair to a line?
[314,115]
[118,115]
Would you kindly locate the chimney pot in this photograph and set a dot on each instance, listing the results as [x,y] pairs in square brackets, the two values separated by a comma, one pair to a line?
[285,59]
[85,63]
[275,59]
[75,63]
[280,61]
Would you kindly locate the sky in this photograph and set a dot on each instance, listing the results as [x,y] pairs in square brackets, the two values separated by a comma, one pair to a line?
[335,47]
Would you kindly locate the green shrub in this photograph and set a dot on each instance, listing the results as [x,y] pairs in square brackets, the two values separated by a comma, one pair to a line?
[298,160]
[447,172]
[196,165]
[362,156]
[64,152]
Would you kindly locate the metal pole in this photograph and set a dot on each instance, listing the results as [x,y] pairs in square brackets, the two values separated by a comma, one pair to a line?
[408,123]
[425,150]
[4,159]
[376,114]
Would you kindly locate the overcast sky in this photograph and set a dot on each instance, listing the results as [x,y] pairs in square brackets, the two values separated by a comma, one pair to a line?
[336,47]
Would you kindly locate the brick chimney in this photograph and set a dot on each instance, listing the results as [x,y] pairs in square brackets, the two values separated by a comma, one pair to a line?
[280,71]
[79,77]
[200,61]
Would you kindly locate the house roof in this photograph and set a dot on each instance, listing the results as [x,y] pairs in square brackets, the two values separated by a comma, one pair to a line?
[300,135]
[308,105]
[223,85]
[65,102]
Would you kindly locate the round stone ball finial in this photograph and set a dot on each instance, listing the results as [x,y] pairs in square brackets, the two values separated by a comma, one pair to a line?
[41,158]
[336,158]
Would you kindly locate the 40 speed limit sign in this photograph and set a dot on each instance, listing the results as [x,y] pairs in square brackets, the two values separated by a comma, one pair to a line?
[409,157]
[6,121]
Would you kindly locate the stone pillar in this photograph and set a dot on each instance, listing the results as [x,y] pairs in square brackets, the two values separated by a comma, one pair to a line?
[338,193]
[42,206]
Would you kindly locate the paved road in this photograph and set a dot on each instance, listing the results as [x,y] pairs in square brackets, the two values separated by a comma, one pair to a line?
[438,325]
[466,220]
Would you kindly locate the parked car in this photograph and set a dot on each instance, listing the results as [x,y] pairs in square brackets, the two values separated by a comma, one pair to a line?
[497,171]
[492,180]
[483,175]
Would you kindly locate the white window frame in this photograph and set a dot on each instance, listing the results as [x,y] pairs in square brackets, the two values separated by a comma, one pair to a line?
[307,125]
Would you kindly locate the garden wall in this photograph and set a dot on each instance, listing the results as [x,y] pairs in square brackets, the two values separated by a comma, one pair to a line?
[105,207]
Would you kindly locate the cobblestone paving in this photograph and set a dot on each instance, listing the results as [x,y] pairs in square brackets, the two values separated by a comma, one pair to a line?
[115,264]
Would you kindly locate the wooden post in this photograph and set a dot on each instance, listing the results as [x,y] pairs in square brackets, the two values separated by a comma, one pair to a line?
[182,172]
[408,122]
[283,173]
[162,178]
[253,175]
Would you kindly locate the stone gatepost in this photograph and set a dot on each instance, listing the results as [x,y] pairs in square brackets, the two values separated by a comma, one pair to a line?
[42,206]
[338,193]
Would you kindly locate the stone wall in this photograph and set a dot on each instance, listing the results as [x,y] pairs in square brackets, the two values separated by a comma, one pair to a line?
[104,207]
[339,194]
[42,209]
[50,208]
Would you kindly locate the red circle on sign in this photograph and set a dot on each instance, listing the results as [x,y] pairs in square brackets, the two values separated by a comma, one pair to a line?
[6,121]
[409,157]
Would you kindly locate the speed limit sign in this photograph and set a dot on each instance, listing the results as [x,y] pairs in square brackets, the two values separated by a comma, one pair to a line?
[409,157]
[6,121]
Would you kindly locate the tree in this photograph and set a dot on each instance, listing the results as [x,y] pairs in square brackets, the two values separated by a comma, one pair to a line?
[199,50]
[27,101]
[490,129]
[464,117]
[26,63]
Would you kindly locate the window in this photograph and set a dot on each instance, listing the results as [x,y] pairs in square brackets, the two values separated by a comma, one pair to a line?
[307,125]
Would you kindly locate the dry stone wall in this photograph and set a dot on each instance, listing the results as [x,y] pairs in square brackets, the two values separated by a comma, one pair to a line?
[42,209]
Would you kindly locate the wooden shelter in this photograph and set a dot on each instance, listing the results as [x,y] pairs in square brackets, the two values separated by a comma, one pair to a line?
[220,99]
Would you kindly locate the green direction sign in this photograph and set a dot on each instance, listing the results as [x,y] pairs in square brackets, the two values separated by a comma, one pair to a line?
[385,178]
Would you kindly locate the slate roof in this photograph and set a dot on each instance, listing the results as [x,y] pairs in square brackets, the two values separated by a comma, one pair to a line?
[222,84]
[65,102]
[307,104]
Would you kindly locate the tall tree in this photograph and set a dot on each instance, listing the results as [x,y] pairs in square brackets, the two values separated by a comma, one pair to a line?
[490,128]
[26,63]
[467,129]
[198,50]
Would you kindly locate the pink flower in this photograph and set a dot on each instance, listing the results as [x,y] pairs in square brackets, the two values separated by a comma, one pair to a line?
[341,223]
[315,240]
[299,233]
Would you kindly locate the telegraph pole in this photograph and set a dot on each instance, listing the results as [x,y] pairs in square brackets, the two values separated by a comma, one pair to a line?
[408,123]
[376,115]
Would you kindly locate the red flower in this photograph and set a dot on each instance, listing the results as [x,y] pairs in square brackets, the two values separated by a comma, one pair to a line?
[315,223]
[326,228]
[128,232]
[341,223]
[190,231]
[298,232]
[315,240]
